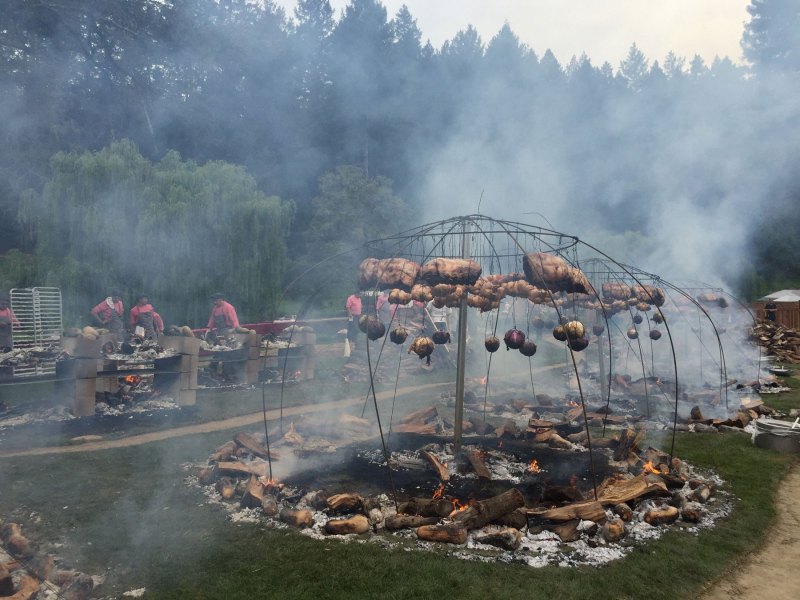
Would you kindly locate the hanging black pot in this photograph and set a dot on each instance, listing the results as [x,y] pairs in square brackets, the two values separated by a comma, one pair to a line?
[598,329]
[632,333]
[398,335]
[492,343]
[637,319]
[375,329]
[578,344]
[441,337]
[655,334]
[528,348]
[560,333]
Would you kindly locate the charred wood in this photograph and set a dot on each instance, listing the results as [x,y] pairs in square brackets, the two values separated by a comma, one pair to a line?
[427,507]
[396,522]
[507,539]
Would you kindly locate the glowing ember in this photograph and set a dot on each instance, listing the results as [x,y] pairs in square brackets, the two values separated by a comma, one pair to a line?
[534,466]
[132,379]
[458,506]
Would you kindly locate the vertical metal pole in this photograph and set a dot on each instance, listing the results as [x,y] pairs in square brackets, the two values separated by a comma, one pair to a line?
[604,382]
[462,352]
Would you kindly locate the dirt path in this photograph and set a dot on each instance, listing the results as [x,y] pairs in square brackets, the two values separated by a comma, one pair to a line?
[771,573]
[231,423]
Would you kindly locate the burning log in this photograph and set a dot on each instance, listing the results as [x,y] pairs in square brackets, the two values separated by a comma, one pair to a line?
[587,511]
[441,468]
[240,469]
[614,530]
[224,452]
[251,445]
[485,511]
[356,524]
[476,460]
[418,428]
[297,518]
[205,476]
[566,530]
[6,582]
[517,519]
[423,415]
[691,512]
[552,439]
[344,503]
[617,491]
[702,494]
[27,589]
[269,505]
[661,516]
[452,533]
[507,539]
[624,512]
[397,522]
[628,442]
[253,496]
[226,488]
[427,507]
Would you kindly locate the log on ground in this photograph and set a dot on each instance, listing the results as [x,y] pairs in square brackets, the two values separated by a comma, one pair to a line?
[485,511]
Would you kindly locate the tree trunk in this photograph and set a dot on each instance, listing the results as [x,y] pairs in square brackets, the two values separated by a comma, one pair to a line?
[588,511]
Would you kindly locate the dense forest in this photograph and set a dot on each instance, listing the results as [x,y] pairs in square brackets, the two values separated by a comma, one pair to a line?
[180,147]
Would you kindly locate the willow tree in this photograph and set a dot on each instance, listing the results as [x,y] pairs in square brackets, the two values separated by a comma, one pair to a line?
[175,230]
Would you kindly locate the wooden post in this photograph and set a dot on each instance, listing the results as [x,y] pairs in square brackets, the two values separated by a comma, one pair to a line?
[189,350]
[83,368]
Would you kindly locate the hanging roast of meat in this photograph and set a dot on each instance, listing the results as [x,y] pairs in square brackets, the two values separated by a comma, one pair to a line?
[387,273]
[554,273]
[450,270]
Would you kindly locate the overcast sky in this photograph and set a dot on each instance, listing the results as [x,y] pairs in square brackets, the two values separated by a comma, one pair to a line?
[604,29]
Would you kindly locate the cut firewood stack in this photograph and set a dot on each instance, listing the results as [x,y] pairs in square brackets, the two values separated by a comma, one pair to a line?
[25,572]
[781,342]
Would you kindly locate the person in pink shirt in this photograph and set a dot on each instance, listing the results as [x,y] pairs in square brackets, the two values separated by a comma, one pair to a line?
[108,313]
[223,315]
[7,322]
[145,316]
[353,307]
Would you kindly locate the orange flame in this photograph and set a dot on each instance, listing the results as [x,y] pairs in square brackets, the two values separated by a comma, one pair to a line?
[132,379]
[272,483]
[438,492]
[458,506]
[649,468]
[534,466]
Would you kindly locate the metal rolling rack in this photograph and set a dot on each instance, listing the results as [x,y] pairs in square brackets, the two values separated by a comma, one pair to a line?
[39,313]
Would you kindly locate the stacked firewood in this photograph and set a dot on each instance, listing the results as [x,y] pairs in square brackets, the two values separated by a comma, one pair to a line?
[25,573]
[779,341]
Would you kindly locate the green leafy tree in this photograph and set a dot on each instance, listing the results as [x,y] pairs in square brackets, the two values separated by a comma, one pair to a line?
[174,230]
[634,68]
[350,209]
